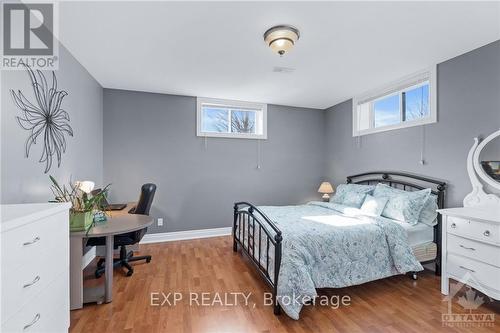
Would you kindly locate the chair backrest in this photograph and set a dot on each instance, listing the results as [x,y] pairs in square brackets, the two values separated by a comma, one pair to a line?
[146,199]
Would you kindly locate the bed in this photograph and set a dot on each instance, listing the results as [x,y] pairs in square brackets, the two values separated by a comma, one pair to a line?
[297,249]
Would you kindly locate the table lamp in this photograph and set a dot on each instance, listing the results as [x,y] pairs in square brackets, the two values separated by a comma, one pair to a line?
[326,188]
[86,186]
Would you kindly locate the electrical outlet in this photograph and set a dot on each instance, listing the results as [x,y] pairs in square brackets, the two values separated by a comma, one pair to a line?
[160,222]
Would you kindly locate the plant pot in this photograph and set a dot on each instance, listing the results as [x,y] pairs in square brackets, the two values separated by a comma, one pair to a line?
[79,221]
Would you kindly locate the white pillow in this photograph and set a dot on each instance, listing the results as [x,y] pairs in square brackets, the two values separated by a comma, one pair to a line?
[374,206]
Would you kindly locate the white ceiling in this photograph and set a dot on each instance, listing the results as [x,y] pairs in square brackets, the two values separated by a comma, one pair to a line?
[216,49]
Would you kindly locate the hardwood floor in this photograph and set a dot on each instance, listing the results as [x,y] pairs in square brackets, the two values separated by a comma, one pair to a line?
[396,304]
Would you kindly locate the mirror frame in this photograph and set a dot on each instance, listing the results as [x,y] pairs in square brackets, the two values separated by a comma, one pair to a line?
[477,175]
[477,162]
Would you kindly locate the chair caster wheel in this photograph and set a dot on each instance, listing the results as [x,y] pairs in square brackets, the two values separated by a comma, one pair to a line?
[148,260]
[100,263]
[129,273]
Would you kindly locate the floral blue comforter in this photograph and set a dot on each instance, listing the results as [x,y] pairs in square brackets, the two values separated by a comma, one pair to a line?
[327,245]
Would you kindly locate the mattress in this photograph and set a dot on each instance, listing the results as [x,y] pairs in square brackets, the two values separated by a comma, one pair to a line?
[418,234]
[425,252]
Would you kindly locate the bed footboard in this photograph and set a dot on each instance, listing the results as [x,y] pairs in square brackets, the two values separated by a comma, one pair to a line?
[261,240]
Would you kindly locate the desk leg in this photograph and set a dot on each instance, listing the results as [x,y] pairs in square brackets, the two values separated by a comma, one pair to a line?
[109,269]
[76,275]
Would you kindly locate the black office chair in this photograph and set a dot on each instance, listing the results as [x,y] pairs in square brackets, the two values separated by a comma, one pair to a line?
[130,238]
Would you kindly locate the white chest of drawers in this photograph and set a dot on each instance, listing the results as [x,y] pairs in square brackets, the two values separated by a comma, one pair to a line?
[471,249]
[35,267]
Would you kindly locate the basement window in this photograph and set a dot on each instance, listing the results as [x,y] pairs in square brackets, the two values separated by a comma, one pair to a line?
[231,119]
[406,103]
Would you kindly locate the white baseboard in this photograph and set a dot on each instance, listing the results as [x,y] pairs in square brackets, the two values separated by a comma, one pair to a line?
[183,235]
[88,257]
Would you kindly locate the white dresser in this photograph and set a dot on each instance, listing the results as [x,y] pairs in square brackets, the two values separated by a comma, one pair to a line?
[471,248]
[35,267]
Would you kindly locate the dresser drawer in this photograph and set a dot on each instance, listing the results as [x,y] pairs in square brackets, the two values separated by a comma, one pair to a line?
[48,312]
[32,242]
[484,274]
[485,232]
[20,285]
[58,322]
[53,321]
[476,250]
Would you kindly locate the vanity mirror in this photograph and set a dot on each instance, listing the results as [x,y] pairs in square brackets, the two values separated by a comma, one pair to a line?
[492,168]
[483,166]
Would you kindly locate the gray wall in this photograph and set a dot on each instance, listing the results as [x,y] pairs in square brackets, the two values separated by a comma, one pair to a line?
[152,138]
[23,179]
[468,106]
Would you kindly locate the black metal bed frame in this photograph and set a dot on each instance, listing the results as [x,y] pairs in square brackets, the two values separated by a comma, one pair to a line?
[248,219]
[245,212]
[396,178]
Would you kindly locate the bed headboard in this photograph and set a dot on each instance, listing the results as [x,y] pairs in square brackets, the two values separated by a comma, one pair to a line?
[408,182]
[402,180]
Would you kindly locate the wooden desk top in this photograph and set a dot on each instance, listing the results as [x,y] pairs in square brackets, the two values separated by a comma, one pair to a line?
[124,211]
[115,225]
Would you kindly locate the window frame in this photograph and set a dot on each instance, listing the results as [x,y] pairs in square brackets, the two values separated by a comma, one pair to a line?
[397,88]
[225,103]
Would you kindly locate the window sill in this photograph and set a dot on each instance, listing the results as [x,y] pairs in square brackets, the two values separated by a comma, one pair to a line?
[232,136]
[419,122]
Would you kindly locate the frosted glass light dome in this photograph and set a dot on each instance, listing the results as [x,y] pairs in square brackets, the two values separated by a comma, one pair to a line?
[281,38]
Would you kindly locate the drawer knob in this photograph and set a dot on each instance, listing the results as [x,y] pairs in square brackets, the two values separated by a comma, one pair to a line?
[33,322]
[487,233]
[453,225]
[35,280]
[36,239]
[467,248]
[468,269]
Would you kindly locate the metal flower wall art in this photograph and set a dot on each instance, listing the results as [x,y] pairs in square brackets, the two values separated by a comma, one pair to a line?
[44,118]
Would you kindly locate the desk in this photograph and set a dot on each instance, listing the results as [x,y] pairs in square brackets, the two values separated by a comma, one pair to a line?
[121,212]
[116,224]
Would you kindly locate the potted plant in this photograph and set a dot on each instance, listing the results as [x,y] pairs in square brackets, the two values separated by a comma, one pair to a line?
[84,204]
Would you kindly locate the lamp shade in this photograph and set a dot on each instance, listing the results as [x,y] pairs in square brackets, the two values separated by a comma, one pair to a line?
[85,186]
[325,188]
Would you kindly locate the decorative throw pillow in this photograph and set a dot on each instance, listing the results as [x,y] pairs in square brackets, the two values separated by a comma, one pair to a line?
[343,189]
[354,199]
[428,215]
[402,205]
[374,205]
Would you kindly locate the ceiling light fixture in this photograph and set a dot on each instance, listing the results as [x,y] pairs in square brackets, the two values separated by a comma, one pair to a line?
[281,38]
